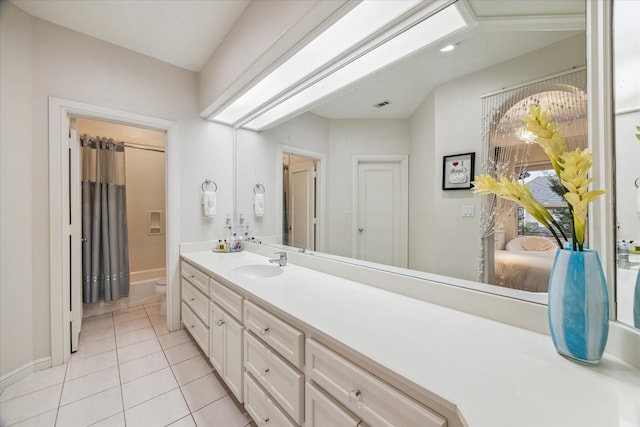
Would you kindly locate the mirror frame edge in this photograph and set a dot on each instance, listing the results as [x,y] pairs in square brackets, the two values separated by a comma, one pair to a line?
[624,341]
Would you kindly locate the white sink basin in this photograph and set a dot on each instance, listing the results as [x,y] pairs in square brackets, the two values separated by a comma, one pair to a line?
[256,271]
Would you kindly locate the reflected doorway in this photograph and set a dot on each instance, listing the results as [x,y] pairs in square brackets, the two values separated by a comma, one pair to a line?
[300,201]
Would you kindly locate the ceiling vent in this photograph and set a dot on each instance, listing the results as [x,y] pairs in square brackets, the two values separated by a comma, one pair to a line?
[382,104]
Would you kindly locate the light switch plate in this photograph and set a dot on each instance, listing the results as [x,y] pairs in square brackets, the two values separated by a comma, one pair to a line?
[467,211]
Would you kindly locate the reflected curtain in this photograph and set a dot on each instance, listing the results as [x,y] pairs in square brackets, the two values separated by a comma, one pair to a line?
[507,146]
[105,249]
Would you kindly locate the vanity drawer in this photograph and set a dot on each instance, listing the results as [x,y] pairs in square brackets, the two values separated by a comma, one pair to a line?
[196,277]
[196,328]
[322,411]
[286,340]
[196,300]
[230,301]
[373,400]
[283,382]
[260,406]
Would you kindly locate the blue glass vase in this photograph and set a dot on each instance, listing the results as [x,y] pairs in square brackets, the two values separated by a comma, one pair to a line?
[578,306]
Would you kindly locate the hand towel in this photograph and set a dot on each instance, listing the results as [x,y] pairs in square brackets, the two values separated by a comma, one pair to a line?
[258,204]
[209,203]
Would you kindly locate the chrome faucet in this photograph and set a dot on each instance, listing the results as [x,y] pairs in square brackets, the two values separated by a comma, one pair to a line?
[282,261]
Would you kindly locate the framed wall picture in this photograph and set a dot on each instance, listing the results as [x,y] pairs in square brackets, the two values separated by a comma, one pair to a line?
[457,171]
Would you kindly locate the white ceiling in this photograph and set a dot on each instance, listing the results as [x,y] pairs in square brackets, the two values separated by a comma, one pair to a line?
[186,32]
[181,32]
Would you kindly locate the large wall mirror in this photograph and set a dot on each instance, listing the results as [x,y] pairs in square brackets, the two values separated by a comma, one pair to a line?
[382,142]
[626,68]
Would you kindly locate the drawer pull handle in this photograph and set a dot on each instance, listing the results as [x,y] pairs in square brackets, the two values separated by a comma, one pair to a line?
[193,326]
[192,299]
[265,421]
[220,322]
[264,331]
[265,371]
[354,396]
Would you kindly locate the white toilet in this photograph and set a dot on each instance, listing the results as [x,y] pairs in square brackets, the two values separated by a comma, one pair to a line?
[161,288]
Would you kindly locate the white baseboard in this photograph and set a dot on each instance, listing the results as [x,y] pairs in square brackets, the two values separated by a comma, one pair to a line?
[146,275]
[21,372]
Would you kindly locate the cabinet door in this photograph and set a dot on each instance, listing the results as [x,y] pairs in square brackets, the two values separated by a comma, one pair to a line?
[233,357]
[322,411]
[216,338]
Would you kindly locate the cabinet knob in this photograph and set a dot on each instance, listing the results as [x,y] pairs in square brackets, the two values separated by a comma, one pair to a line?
[220,322]
[265,371]
[265,421]
[360,229]
[192,299]
[354,396]
[264,331]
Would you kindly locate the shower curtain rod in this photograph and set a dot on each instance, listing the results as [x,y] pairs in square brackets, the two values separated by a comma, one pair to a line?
[143,147]
[133,145]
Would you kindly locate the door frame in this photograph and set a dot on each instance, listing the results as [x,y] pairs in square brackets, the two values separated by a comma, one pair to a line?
[320,193]
[60,111]
[403,159]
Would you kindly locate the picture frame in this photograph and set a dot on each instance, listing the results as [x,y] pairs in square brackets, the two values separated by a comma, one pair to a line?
[458,171]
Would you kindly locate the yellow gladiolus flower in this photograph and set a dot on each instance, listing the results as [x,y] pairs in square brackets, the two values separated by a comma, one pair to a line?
[516,192]
[571,167]
[574,177]
[548,135]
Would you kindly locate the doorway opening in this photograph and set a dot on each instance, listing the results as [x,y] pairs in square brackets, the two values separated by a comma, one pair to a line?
[144,171]
[300,202]
[65,235]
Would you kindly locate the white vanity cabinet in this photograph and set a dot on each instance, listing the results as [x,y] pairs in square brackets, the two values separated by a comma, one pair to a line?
[274,360]
[195,303]
[225,343]
[363,394]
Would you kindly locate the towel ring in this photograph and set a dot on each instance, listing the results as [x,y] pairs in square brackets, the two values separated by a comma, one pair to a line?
[257,189]
[208,182]
[637,182]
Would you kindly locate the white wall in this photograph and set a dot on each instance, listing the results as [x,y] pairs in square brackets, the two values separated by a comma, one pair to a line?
[346,139]
[339,140]
[258,160]
[17,303]
[627,171]
[40,60]
[455,109]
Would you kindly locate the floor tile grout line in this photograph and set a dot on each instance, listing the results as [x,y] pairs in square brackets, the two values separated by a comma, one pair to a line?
[177,382]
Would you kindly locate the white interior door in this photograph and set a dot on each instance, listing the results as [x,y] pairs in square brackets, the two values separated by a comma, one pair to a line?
[302,203]
[380,211]
[75,236]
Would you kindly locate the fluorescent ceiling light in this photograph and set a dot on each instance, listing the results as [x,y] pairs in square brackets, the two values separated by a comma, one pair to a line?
[448,48]
[360,23]
[415,38]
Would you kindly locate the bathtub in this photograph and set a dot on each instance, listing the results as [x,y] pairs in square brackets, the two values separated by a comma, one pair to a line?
[142,292]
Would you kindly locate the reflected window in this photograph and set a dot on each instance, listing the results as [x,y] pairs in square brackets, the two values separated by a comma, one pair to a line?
[546,188]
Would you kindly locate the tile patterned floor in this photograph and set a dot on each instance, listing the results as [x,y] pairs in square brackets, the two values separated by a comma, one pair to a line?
[129,371]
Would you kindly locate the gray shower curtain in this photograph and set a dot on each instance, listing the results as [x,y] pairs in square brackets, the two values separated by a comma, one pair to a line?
[105,249]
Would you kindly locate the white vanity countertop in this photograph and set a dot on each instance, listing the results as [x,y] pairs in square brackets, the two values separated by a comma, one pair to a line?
[496,374]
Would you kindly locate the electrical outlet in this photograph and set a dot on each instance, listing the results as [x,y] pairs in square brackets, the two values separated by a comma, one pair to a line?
[467,211]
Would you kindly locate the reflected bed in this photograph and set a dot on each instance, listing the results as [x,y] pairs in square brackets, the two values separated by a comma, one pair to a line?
[525,264]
